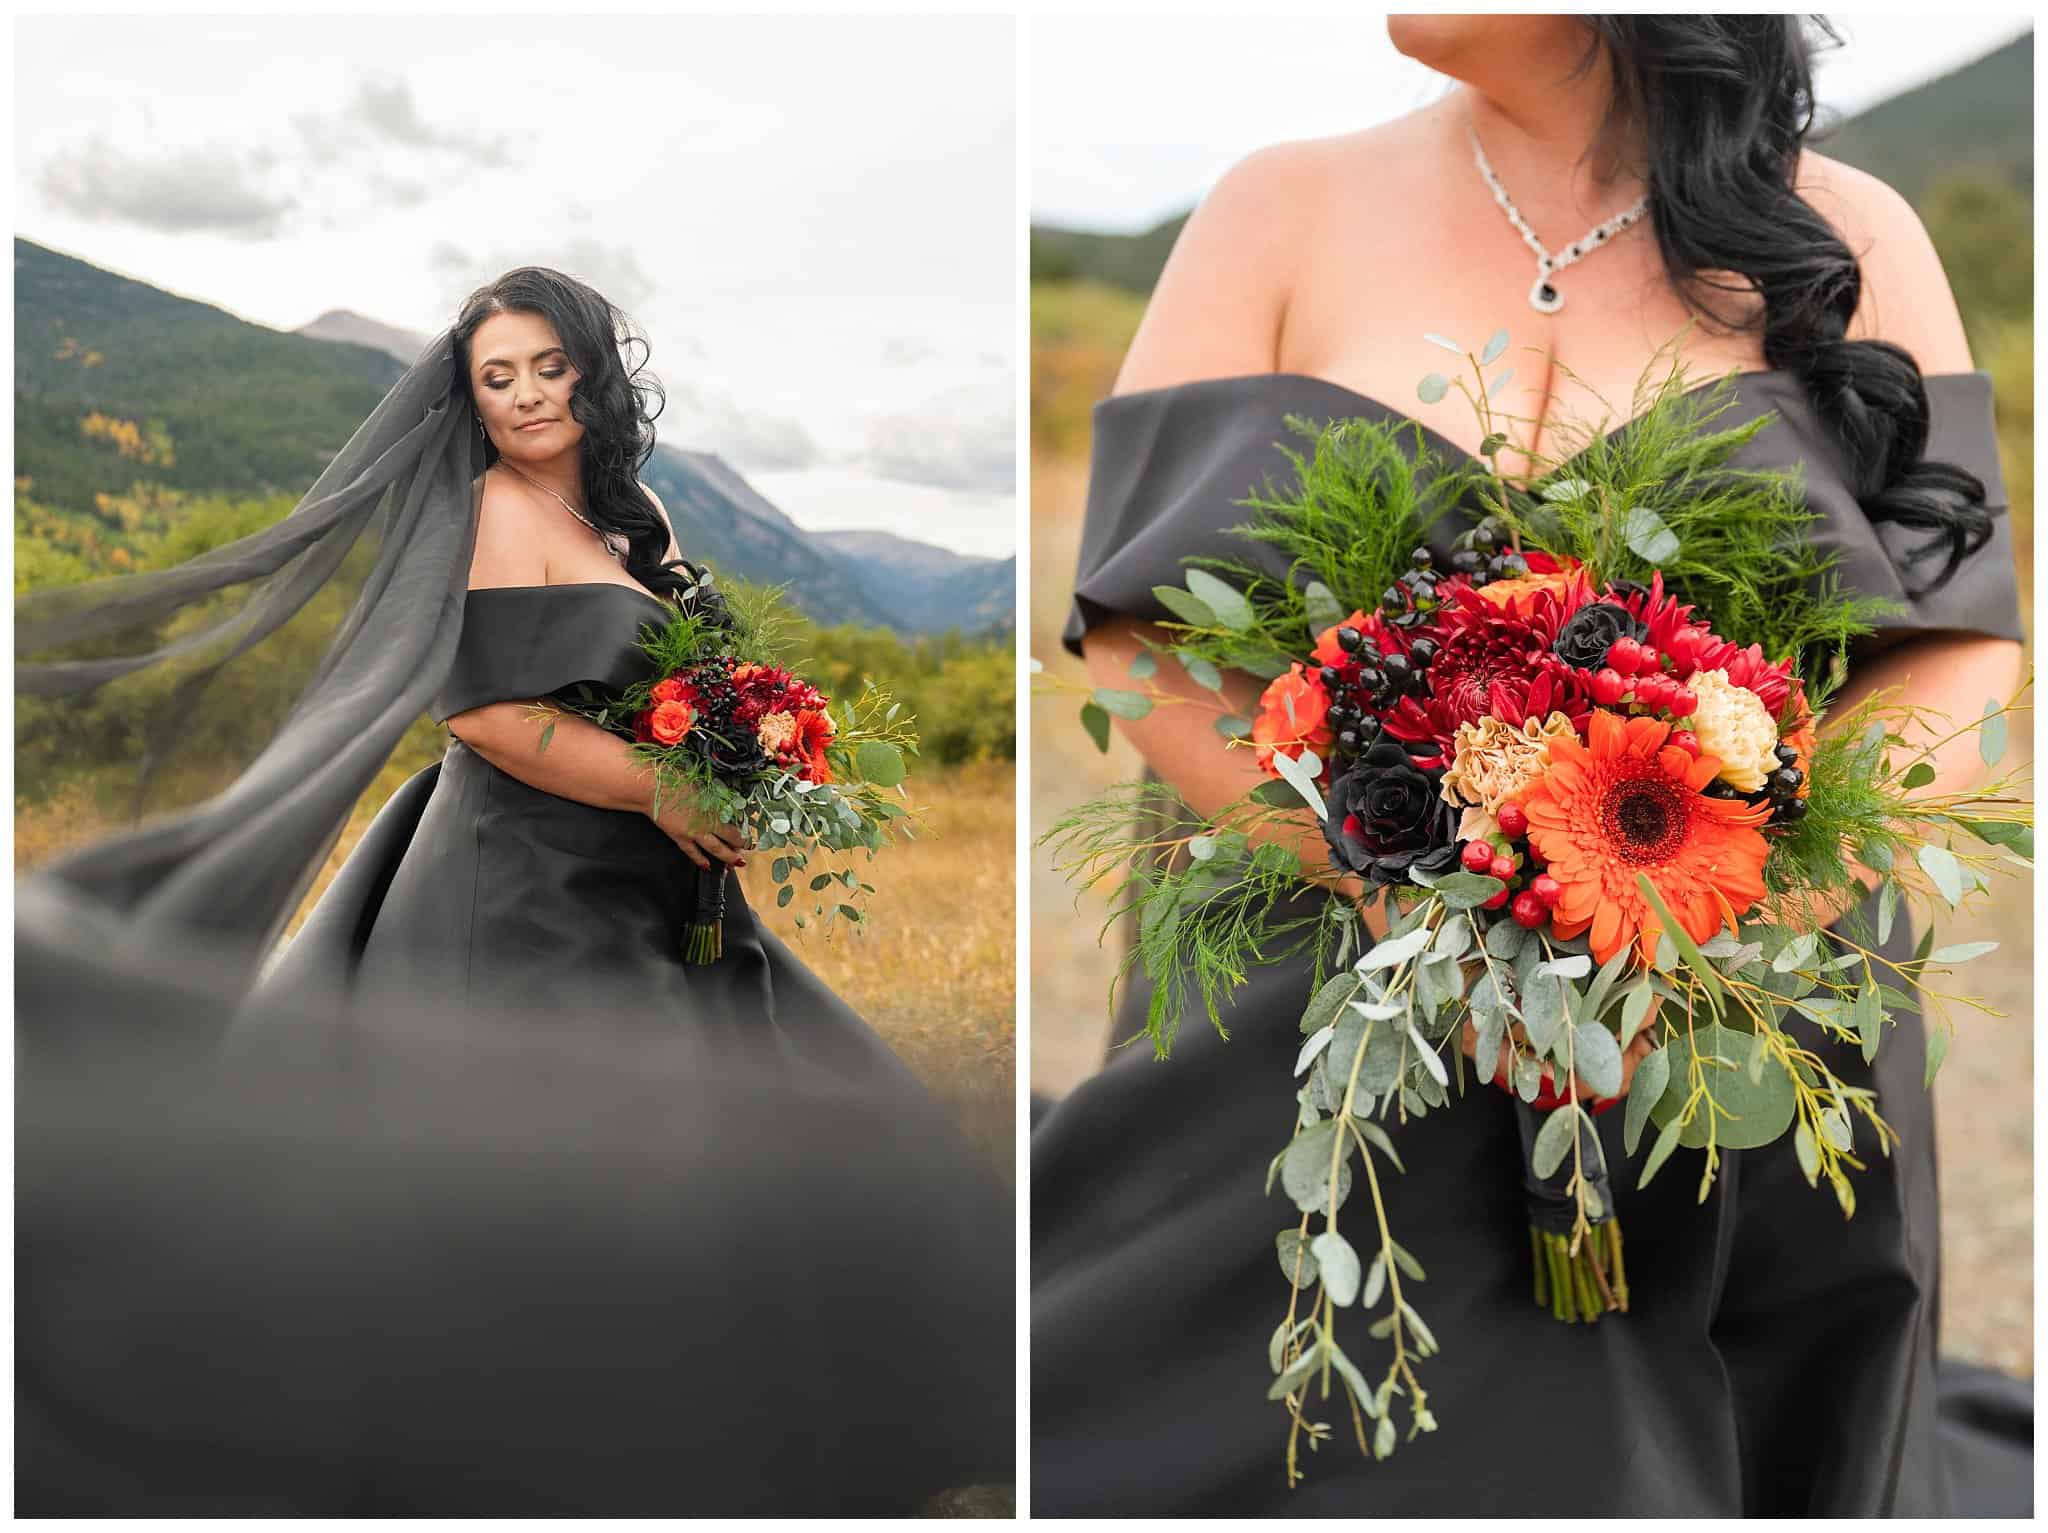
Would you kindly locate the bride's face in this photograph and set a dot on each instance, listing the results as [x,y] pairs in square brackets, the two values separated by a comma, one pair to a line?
[521,379]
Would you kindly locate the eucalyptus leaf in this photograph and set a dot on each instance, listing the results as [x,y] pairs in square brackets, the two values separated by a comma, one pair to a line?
[1375,1281]
[1500,381]
[1096,722]
[1305,1173]
[1467,891]
[1390,952]
[1226,601]
[1808,1152]
[1448,345]
[1495,345]
[1202,673]
[1937,1051]
[1317,1042]
[1130,706]
[1939,863]
[1648,537]
[1300,773]
[1918,775]
[1329,1000]
[1504,939]
[1598,1058]
[1752,1113]
[1653,1073]
[1433,388]
[1291,1248]
[1323,609]
[1341,1273]
[1186,606]
[1961,952]
[1991,734]
[1377,1136]
[1232,726]
[1553,1141]
[1667,1141]
[1887,909]
[1144,665]
[1453,937]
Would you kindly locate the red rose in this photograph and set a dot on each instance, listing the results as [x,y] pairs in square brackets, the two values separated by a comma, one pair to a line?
[671,721]
[670,690]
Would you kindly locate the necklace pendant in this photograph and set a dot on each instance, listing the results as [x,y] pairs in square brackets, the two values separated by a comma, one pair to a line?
[1544,297]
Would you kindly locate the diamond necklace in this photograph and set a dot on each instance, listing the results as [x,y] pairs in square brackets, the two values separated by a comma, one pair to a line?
[1544,297]
[604,537]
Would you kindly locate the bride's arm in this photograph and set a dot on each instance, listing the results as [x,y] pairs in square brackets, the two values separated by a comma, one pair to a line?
[582,762]
[1217,311]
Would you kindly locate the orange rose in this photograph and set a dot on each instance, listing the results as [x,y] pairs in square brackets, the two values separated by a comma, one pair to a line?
[671,721]
[669,690]
[1294,713]
[1328,651]
[1558,582]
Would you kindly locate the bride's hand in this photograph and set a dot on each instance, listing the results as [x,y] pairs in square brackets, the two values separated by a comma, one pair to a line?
[700,841]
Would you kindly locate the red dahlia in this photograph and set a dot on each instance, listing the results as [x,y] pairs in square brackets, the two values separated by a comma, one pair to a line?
[1492,661]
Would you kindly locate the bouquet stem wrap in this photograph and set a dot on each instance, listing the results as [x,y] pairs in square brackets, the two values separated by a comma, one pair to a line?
[1580,1284]
[704,936]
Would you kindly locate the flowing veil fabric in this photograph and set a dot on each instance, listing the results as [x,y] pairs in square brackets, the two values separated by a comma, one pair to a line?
[387,529]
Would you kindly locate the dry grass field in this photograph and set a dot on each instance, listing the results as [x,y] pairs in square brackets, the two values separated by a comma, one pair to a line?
[1984,1096]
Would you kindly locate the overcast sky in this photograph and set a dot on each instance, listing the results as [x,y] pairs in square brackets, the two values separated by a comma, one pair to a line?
[1133,118]
[813,219]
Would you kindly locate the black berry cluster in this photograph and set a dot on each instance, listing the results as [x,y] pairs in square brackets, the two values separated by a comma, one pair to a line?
[1484,555]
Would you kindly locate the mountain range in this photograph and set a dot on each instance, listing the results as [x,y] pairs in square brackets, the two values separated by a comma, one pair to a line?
[252,410]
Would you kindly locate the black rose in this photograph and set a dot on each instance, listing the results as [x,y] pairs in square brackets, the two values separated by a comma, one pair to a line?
[1388,817]
[1583,642]
[733,754]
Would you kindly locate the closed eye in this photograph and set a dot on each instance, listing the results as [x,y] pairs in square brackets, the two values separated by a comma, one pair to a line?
[503,383]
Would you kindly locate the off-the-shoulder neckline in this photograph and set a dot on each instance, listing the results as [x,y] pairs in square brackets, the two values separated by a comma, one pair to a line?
[1736,379]
[578,585]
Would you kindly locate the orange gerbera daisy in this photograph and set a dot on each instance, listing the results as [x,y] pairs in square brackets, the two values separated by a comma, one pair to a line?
[814,732]
[1625,802]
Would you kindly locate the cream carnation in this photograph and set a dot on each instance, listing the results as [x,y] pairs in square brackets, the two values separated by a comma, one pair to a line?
[1492,761]
[1733,726]
[775,731]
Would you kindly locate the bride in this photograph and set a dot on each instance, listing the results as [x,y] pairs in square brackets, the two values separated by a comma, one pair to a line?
[668,1238]
[1593,183]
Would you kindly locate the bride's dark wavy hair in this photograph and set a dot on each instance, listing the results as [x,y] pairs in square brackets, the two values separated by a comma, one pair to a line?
[1724,105]
[615,402]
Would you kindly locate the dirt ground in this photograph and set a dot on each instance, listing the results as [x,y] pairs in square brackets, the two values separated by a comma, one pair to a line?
[1984,1095]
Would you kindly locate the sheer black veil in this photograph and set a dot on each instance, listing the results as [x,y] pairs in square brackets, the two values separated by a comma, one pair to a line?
[260,687]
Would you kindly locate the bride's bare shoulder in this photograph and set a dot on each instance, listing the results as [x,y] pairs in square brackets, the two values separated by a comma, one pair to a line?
[1216,311]
[1905,298]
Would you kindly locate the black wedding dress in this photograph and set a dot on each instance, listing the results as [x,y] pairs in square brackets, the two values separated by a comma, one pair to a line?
[491,1205]
[1776,1360]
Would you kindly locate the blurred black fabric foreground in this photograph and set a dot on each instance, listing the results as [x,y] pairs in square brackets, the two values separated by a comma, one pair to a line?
[434,1264]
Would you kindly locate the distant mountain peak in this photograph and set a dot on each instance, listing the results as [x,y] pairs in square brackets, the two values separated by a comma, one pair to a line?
[353,329]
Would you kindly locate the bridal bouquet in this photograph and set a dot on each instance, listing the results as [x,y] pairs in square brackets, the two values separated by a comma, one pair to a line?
[755,746]
[1587,775]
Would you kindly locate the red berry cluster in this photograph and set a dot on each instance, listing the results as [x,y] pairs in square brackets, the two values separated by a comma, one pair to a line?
[1634,667]
[1531,905]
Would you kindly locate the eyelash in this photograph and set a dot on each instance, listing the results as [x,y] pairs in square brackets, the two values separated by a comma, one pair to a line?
[499,383]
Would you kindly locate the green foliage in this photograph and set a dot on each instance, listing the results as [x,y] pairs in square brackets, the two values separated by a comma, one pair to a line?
[1203,919]
[1739,544]
[1367,493]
